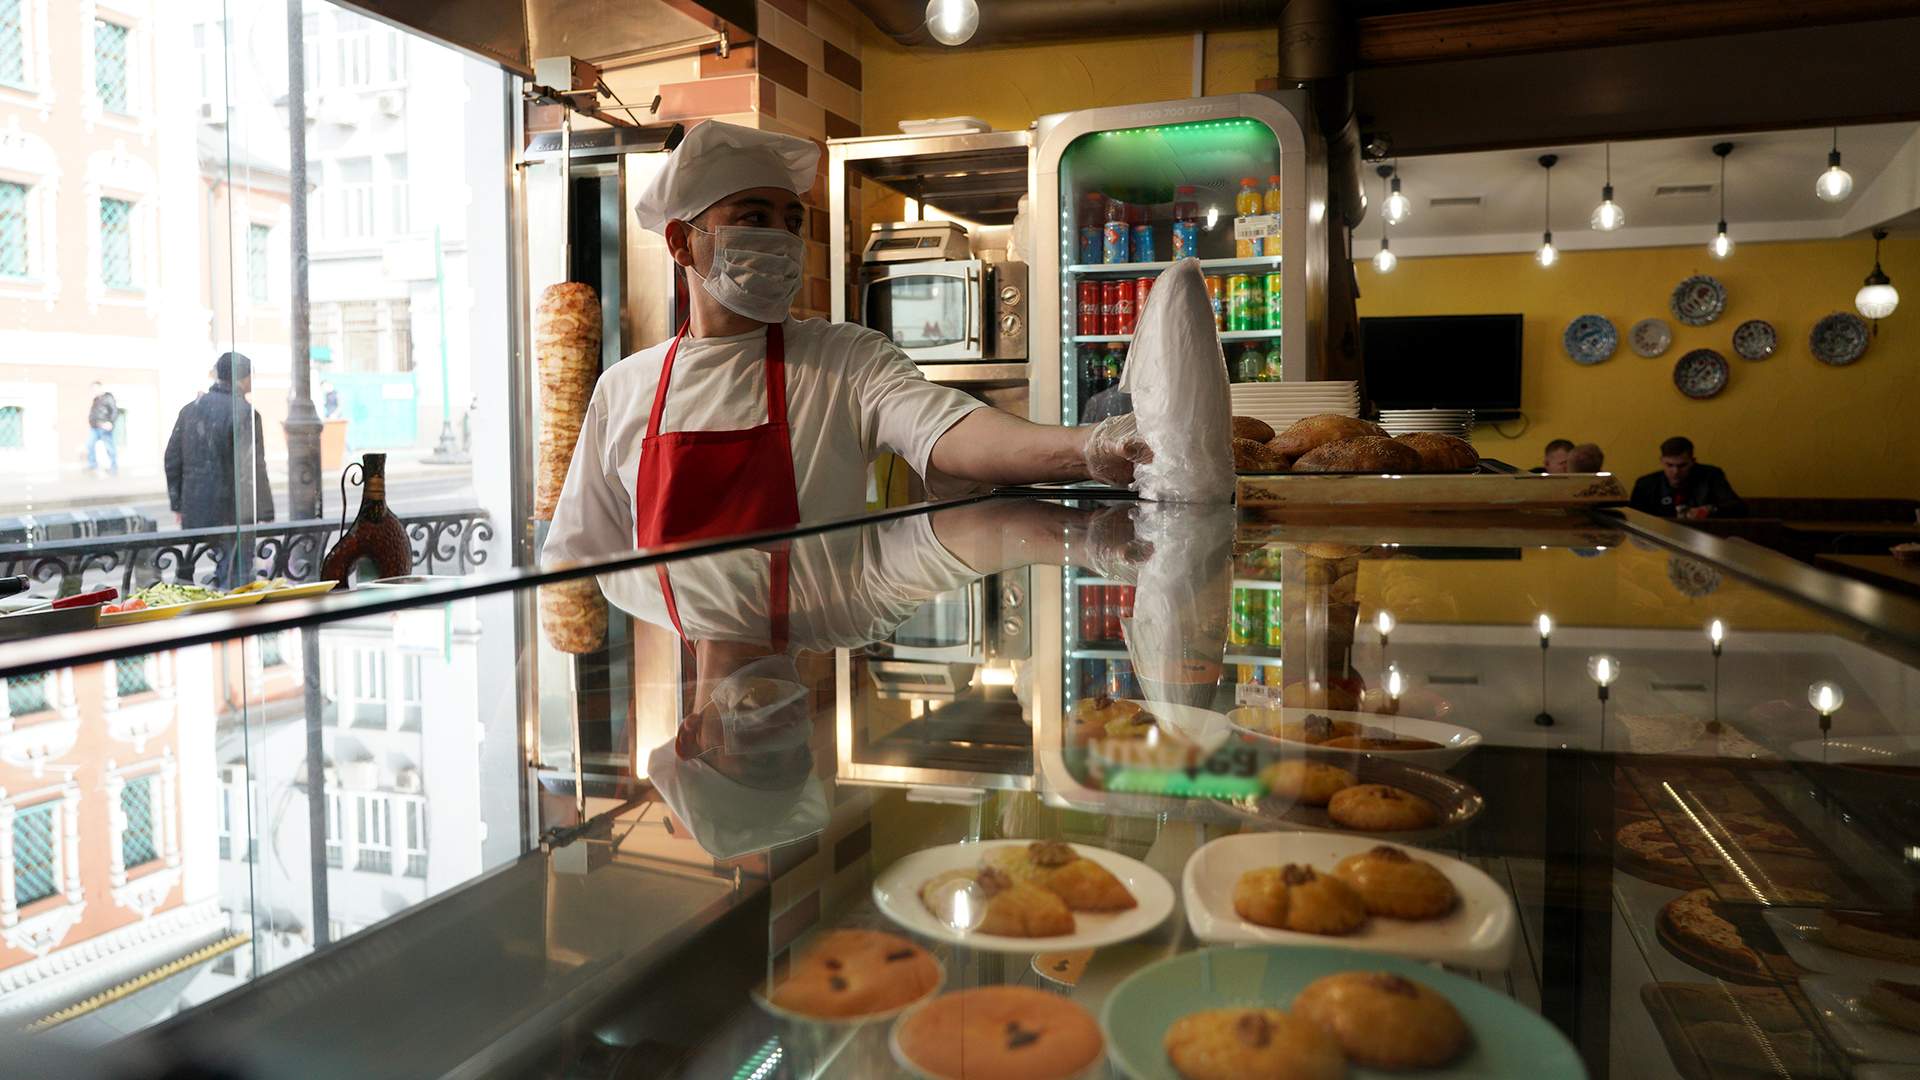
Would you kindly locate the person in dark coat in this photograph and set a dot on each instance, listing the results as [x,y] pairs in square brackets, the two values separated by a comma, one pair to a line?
[1685,488]
[214,478]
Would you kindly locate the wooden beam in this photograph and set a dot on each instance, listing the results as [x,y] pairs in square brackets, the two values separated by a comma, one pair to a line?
[1527,26]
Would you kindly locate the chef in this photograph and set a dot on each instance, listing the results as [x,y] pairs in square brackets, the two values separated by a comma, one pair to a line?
[749,419]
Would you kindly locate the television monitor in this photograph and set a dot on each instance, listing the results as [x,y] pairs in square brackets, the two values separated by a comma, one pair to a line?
[1443,362]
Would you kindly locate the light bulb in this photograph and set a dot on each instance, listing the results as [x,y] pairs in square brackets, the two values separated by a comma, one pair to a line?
[1608,216]
[1383,622]
[952,22]
[1716,632]
[1398,207]
[1394,683]
[1385,260]
[1548,254]
[1836,183]
[1722,245]
[1603,669]
[1876,300]
[1544,624]
[1825,697]
[1213,217]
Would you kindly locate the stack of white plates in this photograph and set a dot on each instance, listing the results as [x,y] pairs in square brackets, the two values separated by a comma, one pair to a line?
[1279,404]
[1444,421]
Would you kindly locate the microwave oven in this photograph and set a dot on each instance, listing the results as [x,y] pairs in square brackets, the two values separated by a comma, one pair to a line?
[950,311]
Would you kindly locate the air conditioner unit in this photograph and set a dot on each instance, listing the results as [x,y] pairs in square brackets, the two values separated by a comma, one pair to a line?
[391,103]
[407,780]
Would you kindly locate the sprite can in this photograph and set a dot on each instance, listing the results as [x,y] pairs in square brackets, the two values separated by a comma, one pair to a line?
[1243,304]
[1276,629]
[1274,289]
[1240,631]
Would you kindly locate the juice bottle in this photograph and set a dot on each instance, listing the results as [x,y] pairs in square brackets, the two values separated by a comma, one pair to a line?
[1186,223]
[1272,204]
[1247,204]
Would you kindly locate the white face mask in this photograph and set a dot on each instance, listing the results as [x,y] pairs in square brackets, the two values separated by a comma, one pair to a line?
[755,272]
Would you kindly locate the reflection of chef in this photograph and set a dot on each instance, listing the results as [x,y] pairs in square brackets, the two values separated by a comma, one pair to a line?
[751,420]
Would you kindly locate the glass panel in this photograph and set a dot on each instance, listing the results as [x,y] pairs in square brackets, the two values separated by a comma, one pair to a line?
[922,311]
[13,43]
[116,243]
[13,229]
[138,845]
[36,853]
[110,74]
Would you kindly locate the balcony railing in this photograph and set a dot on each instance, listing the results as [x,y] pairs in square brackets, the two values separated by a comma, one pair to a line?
[454,542]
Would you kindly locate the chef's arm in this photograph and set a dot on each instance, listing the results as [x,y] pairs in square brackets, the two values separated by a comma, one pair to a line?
[992,447]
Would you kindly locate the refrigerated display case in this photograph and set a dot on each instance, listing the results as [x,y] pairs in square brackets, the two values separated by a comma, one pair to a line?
[1108,182]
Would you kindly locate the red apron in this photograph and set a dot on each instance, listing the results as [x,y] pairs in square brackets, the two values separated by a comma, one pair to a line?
[692,485]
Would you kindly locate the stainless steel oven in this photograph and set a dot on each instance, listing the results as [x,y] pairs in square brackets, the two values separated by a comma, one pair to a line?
[961,311]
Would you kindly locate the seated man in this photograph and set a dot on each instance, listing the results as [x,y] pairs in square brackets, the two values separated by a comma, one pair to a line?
[1684,488]
[1554,459]
[1587,457]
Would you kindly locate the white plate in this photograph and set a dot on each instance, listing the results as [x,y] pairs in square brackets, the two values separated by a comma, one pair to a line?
[1858,1030]
[1454,740]
[1795,927]
[896,892]
[1477,934]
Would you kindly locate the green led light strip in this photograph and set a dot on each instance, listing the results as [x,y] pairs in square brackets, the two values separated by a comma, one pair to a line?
[1191,125]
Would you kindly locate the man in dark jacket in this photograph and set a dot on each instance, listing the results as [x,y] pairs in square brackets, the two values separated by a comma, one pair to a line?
[1684,488]
[213,477]
[102,414]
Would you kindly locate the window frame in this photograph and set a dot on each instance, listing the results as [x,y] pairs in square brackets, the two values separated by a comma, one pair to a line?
[133,282]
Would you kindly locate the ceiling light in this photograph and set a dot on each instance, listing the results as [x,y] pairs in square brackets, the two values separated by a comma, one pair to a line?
[1603,669]
[1385,260]
[952,22]
[1722,244]
[1608,216]
[1877,298]
[1398,207]
[1836,183]
[1548,254]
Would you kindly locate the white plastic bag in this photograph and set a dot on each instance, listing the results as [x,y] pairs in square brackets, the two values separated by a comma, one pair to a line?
[1178,379]
[1177,636]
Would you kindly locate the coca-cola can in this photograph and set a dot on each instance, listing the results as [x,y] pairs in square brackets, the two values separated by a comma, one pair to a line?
[1091,320]
[1141,287]
[1110,294]
[1123,309]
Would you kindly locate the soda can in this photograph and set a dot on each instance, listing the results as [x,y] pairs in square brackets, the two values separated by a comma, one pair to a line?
[1274,290]
[1109,307]
[1123,308]
[1241,624]
[1240,303]
[1143,243]
[1090,242]
[1186,239]
[1092,613]
[1113,240]
[1141,287]
[1275,628]
[1090,321]
[1116,359]
[1119,675]
[1216,293]
[1116,608]
[1093,365]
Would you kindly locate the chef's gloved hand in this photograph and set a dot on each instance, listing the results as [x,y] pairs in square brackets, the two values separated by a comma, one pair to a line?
[1114,448]
[1114,550]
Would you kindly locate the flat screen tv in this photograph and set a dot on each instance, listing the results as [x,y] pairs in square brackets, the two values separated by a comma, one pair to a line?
[1444,362]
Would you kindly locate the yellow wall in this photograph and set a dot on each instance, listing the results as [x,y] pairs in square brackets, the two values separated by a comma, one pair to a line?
[1789,425]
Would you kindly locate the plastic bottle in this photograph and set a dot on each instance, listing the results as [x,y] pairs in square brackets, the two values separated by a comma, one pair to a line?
[1186,223]
[1272,204]
[1247,204]
[1113,242]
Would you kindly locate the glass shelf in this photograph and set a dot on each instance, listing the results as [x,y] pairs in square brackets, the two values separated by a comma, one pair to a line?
[1268,656]
[1262,265]
[1225,335]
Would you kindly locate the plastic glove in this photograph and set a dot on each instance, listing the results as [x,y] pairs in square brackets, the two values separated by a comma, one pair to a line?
[1114,448]
[1113,551]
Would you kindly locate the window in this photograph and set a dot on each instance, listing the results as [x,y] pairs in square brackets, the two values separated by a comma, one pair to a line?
[336,828]
[369,688]
[13,228]
[36,853]
[257,262]
[138,844]
[412,694]
[110,64]
[416,838]
[352,198]
[270,650]
[210,43]
[226,821]
[397,191]
[13,43]
[353,48]
[13,432]
[374,821]
[131,675]
[116,243]
[27,694]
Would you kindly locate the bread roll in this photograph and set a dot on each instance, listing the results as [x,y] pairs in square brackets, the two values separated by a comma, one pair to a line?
[1441,453]
[566,345]
[1250,456]
[574,615]
[1367,454]
[1316,431]
[1247,427]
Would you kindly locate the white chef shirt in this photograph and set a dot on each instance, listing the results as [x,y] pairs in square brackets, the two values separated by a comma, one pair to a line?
[852,395]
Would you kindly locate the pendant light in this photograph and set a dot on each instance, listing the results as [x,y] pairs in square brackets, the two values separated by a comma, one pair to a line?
[1722,245]
[1836,183]
[1385,260]
[1877,298]
[1608,216]
[1548,254]
[1398,207]
[952,22]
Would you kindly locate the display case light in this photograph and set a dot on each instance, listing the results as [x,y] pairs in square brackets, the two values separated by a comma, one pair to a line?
[1544,624]
[1826,697]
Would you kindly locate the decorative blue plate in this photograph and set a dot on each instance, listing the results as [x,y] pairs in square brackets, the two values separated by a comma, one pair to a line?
[1701,373]
[1590,339]
[1699,300]
[1509,1039]
[1755,339]
[1840,338]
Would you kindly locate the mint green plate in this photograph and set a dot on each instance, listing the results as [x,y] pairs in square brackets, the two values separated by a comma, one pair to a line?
[1509,1038]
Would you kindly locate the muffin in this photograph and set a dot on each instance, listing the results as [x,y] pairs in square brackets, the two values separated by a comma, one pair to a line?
[846,974]
[1380,808]
[1384,1020]
[1309,783]
[1392,883]
[1237,1044]
[1003,1032]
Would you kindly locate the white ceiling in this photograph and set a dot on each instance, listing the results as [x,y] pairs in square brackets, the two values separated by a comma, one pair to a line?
[1770,178]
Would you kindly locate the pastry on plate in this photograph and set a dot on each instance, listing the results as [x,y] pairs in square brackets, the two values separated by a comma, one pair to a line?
[1083,884]
[1093,716]
[1441,453]
[1697,924]
[1004,1032]
[1384,1020]
[1298,898]
[1393,883]
[1313,432]
[1309,783]
[1899,1002]
[1883,937]
[1252,429]
[1766,1007]
[1755,834]
[1313,729]
[1366,454]
[1013,908]
[845,974]
[1379,739]
[1250,456]
[1238,1044]
[1380,808]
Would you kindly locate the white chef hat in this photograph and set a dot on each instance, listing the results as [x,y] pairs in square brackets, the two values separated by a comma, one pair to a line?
[716,160]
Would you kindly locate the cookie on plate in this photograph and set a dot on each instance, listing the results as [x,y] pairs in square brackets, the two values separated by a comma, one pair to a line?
[1309,783]
[1094,716]
[1233,1044]
[1013,908]
[1083,884]
[1395,884]
[1384,1020]
[1005,1032]
[1314,729]
[1379,740]
[1298,898]
[1380,808]
[845,974]
[1260,896]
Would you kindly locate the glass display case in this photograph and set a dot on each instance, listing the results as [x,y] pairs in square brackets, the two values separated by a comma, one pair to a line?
[1662,786]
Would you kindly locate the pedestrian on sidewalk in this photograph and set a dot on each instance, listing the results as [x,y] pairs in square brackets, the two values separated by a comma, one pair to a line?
[216,472]
[102,416]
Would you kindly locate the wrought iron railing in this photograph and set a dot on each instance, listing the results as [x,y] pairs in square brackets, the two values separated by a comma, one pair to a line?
[455,541]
